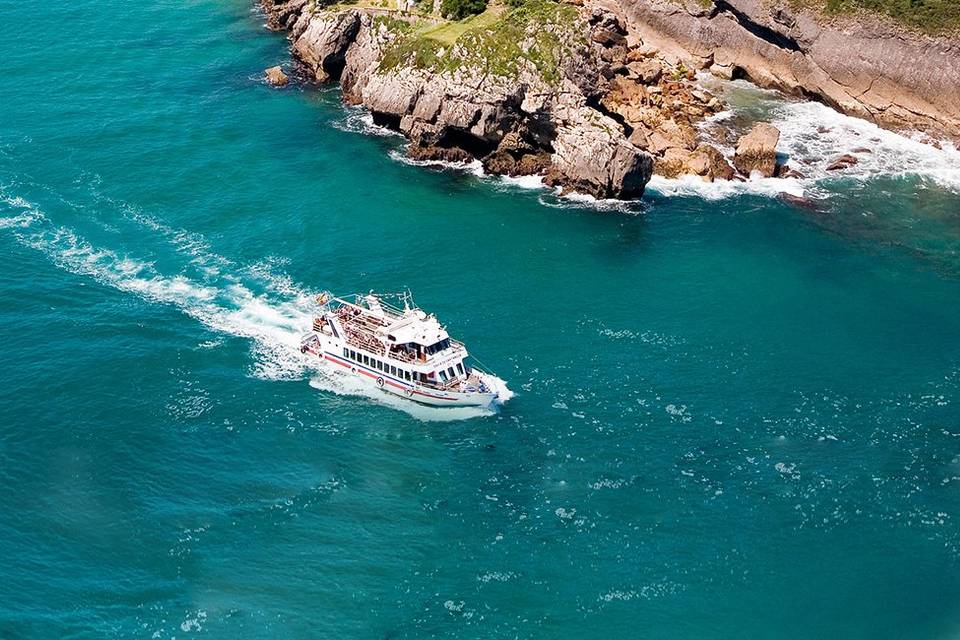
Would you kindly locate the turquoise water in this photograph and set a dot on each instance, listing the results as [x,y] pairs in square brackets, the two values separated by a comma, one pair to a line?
[734,418]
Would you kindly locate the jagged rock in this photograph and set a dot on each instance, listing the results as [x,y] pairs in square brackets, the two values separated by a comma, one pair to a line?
[843,162]
[276,77]
[608,37]
[786,171]
[670,134]
[757,151]
[719,168]
[282,15]
[505,163]
[323,44]
[802,202]
[896,76]
[640,138]
[591,156]
[439,154]
[646,71]
[677,162]
[570,125]
[706,162]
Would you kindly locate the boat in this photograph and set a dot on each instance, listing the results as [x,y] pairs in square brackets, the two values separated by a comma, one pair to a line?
[400,350]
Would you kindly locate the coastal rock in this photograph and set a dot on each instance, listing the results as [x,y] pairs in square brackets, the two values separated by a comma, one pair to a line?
[282,15]
[276,77]
[843,162]
[786,171]
[718,167]
[897,77]
[705,161]
[590,157]
[323,44]
[587,114]
[645,71]
[757,151]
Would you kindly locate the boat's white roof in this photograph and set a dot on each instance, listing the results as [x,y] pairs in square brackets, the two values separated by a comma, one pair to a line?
[417,327]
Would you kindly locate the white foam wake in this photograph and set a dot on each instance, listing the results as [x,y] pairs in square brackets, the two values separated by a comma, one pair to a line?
[274,320]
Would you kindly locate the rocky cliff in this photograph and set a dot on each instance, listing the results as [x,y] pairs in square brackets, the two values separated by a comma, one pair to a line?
[549,88]
[861,65]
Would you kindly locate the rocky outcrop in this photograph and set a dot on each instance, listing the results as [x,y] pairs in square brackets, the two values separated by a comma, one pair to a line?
[843,162]
[536,107]
[592,156]
[863,66]
[276,77]
[757,151]
[322,44]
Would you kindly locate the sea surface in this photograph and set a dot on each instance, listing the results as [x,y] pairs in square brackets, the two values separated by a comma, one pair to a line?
[734,417]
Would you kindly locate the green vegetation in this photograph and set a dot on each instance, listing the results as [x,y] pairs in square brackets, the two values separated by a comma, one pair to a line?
[931,16]
[396,25]
[449,32]
[494,43]
[460,9]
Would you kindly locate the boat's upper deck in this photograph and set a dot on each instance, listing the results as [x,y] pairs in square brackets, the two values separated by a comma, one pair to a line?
[407,335]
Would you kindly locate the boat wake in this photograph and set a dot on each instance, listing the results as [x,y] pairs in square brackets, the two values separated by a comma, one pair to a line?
[255,302]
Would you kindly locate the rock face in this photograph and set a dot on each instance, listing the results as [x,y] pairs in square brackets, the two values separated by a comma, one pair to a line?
[862,66]
[535,112]
[276,77]
[757,151]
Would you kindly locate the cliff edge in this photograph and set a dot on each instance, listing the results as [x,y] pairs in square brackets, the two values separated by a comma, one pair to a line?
[863,64]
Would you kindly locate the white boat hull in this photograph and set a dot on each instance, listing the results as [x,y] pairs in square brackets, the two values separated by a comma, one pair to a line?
[401,388]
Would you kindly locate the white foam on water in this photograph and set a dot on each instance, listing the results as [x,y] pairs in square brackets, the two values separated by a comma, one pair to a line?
[359,120]
[475,166]
[524,182]
[499,386]
[721,189]
[350,385]
[814,135]
[274,325]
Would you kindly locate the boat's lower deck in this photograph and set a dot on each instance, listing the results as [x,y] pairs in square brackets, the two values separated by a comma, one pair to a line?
[422,394]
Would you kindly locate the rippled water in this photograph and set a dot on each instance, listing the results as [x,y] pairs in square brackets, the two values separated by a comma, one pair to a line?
[734,417]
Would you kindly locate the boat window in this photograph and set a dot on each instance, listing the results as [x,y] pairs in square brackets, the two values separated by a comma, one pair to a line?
[379,366]
[346,352]
[393,370]
[353,356]
[406,375]
[460,367]
[443,376]
[366,360]
[450,372]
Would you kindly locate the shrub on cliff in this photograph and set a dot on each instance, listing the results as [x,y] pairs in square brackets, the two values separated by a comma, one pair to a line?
[460,9]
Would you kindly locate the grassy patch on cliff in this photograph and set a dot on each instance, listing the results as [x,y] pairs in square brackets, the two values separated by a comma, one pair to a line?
[931,16]
[494,42]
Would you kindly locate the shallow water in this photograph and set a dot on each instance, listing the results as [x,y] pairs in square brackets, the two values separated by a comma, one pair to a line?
[734,417]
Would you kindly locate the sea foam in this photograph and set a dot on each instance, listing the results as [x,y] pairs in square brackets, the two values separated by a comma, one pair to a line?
[227,302]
